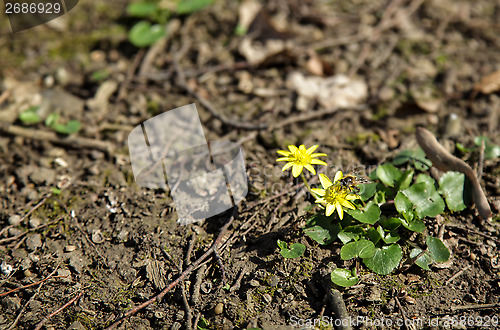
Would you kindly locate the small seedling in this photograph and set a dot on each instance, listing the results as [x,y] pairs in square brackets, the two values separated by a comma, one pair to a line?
[295,251]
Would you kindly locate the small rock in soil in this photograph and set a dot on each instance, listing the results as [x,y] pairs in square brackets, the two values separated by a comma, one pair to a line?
[69,248]
[274,281]
[14,220]
[254,283]
[13,232]
[34,222]
[33,242]
[43,175]
[375,295]
[219,308]
[76,326]
[11,304]
[77,263]
[97,237]
[267,298]
[66,273]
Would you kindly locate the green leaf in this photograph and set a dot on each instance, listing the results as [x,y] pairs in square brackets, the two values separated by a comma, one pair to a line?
[491,151]
[362,248]
[350,233]
[322,229]
[190,6]
[344,277]
[423,261]
[144,34]
[414,157]
[390,223]
[202,324]
[240,30]
[388,174]
[425,198]
[295,251]
[425,179]
[385,259]
[405,180]
[55,191]
[404,206]
[439,252]
[71,127]
[369,215]
[463,149]
[51,119]
[367,190]
[389,237]
[373,235]
[414,225]
[451,186]
[30,116]
[141,9]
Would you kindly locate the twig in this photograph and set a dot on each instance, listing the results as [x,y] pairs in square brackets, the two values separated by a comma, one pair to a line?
[189,315]
[70,141]
[181,82]
[187,261]
[481,161]
[13,325]
[403,314]
[130,74]
[9,239]
[445,161]
[29,285]
[483,306]
[48,317]
[185,273]
[334,297]
[237,284]
[474,232]
[456,275]
[197,283]
[221,266]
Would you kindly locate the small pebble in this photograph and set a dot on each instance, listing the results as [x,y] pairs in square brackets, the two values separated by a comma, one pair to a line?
[97,237]
[219,308]
[267,298]
[34,222]
[5,268]
[28,273]
[410,300]
[15,220]
[69,248]
[254,283]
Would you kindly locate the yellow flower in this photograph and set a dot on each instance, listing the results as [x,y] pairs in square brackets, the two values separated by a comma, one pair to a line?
[333,196]
[300,158]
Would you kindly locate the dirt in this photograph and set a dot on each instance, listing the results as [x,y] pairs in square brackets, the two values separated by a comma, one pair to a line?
[119,243]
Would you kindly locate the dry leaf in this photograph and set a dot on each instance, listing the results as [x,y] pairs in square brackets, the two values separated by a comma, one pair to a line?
[316,66]
[488,84]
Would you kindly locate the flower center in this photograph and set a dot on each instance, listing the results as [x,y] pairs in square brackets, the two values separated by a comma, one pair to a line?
[332,193]
[302,158]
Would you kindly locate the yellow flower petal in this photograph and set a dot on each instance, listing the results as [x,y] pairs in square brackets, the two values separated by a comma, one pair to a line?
[284,153]
[318,191]
[340,210]
[310,168]
[284,159]
[302,147]
[347,204]
[292,148]
[287,166]
[296,170]
[329,210]
[338,176]
[317,162]
[318,155]
[310,150]
[325,182]
[351,197]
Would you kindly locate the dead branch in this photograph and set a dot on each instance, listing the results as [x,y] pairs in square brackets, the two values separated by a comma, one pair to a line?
[445,161]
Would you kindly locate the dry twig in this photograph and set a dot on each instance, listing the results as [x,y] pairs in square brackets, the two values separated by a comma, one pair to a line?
[185,273]
[48,317]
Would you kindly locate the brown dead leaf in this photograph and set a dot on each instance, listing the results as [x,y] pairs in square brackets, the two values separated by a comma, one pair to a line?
[488,84]
[316,66]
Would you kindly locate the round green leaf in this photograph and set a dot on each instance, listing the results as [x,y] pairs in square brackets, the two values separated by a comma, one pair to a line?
[423,261]
[405,180]
[30,116]
[370,215]
[144,34]
[404,206]
[322,229]
[51,119]
[439,252]
[71,127]
[451,186]
[390,223]
[295,251]
[385,259]
[414,225]
[367,190]
[351,233]
[141,9]
[362,248]
[344,277]
[388,174]
[427,201]
[388,237]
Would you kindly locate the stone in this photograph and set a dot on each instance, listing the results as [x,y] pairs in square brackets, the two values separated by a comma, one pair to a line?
[15,220]
[33,242]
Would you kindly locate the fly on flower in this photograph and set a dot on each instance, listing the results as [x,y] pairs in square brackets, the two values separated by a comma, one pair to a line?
[351,182]
[299,158]
[335,195]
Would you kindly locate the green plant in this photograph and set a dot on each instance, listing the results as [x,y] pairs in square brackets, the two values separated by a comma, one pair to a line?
[380,239]
[295,251]
[154,15]
[30,116]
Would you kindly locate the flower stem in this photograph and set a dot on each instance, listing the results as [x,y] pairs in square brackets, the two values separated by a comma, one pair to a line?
[305,182]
